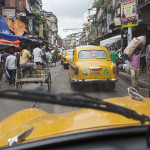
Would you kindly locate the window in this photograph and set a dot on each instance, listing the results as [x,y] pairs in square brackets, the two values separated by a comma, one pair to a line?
[69,53]
[89,54]
[2,3]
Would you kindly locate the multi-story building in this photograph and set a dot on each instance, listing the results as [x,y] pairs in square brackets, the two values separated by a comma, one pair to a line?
[89,23]
[27,11]
[144,19]
[52,28]
[70,41]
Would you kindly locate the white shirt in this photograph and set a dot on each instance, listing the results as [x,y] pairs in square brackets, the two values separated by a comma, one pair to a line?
[11,63]
[38,53]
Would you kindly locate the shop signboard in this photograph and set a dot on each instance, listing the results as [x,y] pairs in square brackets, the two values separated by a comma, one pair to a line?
[9,13]
[30,25]
[117,21]
[129,16]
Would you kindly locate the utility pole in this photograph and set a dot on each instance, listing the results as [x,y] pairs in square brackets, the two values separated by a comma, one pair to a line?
[129,34]
[122,31]
[129,40]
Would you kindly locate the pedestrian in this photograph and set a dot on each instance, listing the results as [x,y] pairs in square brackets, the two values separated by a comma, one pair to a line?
[1,67]
[143,62]
[18,62]
[114,56]
[26,61]
[148,59]
[11,66]
[50,59]
[38,55]
[3,60]
[135,66]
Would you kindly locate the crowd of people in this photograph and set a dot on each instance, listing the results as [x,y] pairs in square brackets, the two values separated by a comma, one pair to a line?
[14,60]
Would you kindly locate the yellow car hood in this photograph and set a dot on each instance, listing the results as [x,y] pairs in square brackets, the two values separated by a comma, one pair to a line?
[49,125]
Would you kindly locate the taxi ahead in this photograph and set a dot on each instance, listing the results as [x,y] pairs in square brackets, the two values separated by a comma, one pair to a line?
[67,58]
[92,64]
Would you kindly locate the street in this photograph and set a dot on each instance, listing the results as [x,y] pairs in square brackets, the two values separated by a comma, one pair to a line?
[61,84]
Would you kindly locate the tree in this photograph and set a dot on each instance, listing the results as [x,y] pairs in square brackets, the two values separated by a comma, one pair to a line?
[96,3]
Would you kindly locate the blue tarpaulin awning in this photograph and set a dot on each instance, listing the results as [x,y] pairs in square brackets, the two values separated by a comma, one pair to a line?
[10,37]
[3,25]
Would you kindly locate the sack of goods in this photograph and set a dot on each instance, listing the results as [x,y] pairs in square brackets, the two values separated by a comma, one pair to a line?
[132,46]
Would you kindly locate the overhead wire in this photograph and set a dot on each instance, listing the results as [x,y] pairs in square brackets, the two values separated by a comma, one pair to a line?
[62,24]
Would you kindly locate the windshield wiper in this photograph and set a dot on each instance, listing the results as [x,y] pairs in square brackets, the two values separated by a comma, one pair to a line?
[76,100]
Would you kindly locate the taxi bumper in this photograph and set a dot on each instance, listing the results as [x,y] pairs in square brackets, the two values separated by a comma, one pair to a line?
[95,80]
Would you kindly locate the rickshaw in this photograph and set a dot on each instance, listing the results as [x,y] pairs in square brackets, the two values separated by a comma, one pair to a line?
[44,76]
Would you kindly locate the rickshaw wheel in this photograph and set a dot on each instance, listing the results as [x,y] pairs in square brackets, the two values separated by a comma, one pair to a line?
[49,82]
[17,86]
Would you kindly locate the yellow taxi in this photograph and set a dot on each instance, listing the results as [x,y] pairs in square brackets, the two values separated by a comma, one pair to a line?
[67,58]
[92,64]
[62,57]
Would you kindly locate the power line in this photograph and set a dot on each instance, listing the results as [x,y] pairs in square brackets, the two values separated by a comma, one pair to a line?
[87,6]
[52,6]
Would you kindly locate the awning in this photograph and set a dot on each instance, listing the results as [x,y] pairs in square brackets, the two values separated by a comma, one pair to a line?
[3,25]
[9,43]
[10,37]
[110,41]
[36,41]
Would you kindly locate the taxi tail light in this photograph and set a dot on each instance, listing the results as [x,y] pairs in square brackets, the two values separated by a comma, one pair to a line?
[114,70]
[76,70]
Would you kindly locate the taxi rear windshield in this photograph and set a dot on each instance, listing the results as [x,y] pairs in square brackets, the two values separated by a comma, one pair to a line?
[89,54]
[69,53]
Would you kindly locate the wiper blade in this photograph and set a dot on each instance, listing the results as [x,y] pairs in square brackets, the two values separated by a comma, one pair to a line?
[76,100]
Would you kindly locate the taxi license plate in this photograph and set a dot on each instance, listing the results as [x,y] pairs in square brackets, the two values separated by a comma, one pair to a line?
[95,72]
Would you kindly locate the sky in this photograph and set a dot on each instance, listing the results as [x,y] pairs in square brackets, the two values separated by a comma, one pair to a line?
[68,12]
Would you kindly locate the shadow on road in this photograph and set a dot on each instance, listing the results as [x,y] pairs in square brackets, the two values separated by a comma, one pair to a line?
[92,88]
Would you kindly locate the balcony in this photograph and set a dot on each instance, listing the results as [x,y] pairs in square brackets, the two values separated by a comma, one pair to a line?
[143,3]
[144,7]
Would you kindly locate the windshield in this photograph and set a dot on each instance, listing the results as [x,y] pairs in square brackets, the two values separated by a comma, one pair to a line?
[69,53]
[91,54]
[35,36]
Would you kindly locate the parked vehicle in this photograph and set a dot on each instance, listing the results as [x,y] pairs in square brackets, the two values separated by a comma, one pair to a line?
[67,58]
[115,123]
[92,64]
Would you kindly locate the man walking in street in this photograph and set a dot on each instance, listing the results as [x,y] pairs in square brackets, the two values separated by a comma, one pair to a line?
[11,67]
[135,66]
[148,59]
[38,55]
[3,60]
[114,56]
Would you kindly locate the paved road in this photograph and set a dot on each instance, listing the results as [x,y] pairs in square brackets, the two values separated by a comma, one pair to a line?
[61,84]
